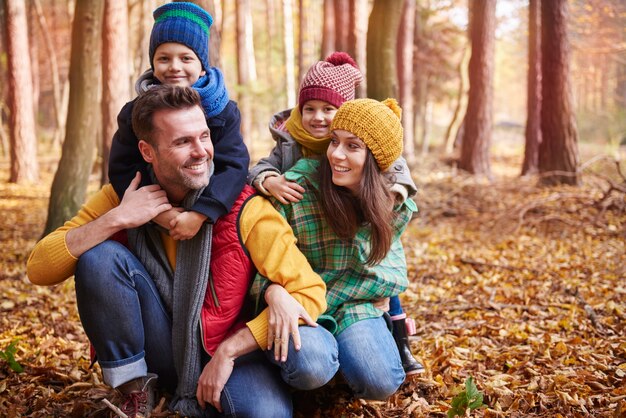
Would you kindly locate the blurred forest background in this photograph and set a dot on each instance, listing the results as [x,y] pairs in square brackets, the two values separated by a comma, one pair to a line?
[78,61]
[515,130]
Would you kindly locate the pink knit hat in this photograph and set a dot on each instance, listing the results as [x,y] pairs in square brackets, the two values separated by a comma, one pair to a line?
[333,80]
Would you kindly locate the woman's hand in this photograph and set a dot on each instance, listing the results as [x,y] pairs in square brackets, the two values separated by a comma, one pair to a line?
[283,319]
[382,304]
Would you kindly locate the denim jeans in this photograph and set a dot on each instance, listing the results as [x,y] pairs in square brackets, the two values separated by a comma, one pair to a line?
[365,353]
[314,364]
[369,359]
[130,330]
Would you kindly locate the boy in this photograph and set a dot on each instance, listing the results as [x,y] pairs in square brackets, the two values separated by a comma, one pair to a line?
[179,55]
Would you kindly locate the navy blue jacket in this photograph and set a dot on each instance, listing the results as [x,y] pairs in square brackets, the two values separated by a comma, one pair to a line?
[231,160]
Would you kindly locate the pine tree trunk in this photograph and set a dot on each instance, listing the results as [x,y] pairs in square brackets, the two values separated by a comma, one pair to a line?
[57,87]
[290,83]
[69,186]
[328,31]
[361,15]
[24,165]
[478,120]
[243,69]
[405,76]
[381,49]
[558,151]
[115,74]
[533,107]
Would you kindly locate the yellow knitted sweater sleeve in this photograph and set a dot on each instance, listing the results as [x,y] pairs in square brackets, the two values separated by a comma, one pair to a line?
[272,246]
[50,262]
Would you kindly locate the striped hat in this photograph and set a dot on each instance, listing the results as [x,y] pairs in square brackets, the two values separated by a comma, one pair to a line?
[333,80]
[183,23]
[375,123]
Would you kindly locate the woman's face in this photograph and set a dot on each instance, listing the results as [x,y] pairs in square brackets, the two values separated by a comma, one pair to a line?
[346,154]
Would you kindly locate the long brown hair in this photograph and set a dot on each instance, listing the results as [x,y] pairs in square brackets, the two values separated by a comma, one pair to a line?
[372,206]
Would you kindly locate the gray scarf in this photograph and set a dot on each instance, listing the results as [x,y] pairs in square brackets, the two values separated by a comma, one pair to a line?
[182,292]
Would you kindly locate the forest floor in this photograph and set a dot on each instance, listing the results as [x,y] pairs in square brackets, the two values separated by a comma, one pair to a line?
[519,286]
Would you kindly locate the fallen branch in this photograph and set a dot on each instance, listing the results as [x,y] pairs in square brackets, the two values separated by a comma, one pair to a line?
[500,266]
[115,409]
[587,308]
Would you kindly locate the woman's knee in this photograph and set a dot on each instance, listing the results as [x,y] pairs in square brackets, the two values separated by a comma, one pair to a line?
[376,386]
[315,363]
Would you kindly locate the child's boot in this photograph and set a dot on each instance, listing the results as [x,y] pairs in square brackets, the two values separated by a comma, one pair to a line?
[401,336]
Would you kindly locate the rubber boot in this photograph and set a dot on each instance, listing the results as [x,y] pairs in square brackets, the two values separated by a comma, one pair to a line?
[409,363]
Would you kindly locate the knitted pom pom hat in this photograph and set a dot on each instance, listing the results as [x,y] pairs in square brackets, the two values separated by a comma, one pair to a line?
[333,80]
[184,23]
[377,124]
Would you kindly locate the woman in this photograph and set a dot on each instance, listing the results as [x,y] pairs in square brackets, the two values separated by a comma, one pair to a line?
[348,226]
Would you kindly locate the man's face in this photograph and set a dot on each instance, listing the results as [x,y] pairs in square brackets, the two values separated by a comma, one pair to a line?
[183,153]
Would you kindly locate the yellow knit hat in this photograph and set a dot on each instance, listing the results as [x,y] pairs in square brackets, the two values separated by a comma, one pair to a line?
[377,124]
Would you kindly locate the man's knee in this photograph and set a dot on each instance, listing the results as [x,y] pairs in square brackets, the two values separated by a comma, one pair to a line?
[97,263]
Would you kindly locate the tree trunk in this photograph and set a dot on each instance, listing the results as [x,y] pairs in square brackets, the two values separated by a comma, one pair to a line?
[57,87]
[24,166]
[70,181]
[243,69]
[115,74]
[361,15]
[405,76]
[558,151]
[533,107]
[328,32]
[477,133]
[342,25]
[306,45]
[381,49]
[290,83]
[33,50]
[455,122]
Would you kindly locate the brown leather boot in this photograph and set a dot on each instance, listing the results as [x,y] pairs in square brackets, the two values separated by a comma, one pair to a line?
[138,396]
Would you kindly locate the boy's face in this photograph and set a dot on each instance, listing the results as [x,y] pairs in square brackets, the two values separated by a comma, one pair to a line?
[317,116]
[177,65]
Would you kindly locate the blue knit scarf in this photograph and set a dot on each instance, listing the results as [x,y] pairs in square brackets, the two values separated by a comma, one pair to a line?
[211,87]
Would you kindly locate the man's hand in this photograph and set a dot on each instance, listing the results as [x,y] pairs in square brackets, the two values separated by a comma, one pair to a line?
[213,379]
[139,206]
[284,314]
[283,190]
[217,371]
[186,225]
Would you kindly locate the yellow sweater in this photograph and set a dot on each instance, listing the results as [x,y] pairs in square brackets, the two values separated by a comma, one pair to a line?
[267,237]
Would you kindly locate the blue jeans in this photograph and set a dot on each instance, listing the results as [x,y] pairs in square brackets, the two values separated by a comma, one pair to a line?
[369,359]
[130,330]
[316,362]
[365,353]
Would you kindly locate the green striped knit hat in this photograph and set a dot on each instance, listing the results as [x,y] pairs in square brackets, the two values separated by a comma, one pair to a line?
[183,23]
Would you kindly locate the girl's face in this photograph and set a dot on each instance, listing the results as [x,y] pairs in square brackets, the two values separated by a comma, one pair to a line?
[177,65]
[317,116]
[346,154]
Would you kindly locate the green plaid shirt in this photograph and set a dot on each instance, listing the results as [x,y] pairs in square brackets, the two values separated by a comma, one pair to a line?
[351,284]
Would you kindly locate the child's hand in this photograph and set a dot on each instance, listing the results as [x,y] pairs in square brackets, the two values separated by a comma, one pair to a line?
[186,225]
[163,219]
[283,190]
